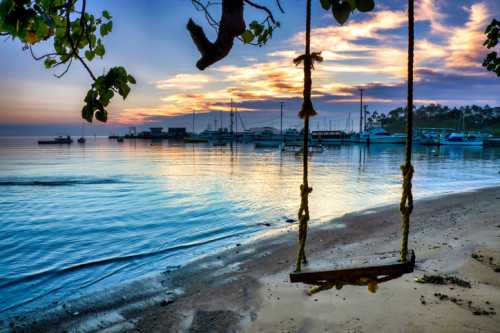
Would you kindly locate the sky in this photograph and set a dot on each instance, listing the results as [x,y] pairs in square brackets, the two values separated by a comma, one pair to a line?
[149,38]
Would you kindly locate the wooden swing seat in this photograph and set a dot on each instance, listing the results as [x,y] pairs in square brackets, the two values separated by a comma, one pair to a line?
[385,269]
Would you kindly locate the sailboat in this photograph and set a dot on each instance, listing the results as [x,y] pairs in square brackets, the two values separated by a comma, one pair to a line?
[82,138]
[461,138]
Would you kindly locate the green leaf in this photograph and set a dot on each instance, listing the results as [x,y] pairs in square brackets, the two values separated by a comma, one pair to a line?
[326,4]
[247,36]
[102,116]
[352,3]
[100,50]
[106,28]
[87,113]
[106,15]
[106,97]
[256,27]
[49,62]
[89,55]
[365,5]
[341,11]
[131,79]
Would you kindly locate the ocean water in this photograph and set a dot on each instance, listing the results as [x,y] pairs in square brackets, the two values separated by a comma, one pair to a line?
[77,219]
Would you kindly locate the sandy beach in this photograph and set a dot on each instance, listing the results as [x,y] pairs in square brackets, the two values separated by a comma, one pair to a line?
[247,289]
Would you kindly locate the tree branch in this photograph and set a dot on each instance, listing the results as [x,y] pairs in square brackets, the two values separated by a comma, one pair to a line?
[74,51]
[264,8]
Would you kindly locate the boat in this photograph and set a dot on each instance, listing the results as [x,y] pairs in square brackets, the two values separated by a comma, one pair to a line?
[60,140]
[81,139]
[430,136]
[378,135]
[461,139]
[267,137]
[292,136]
[330,137]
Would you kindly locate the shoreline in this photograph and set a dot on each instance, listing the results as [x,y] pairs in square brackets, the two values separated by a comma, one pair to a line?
[226,289]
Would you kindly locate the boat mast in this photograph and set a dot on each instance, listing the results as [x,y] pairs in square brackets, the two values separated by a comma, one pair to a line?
[281,118]
[231,116]
[365,114]
[361,111]
[236,118]
[193,120]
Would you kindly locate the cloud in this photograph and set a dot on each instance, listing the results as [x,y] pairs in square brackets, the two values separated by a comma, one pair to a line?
[369,51]
[185,82]
[465,43]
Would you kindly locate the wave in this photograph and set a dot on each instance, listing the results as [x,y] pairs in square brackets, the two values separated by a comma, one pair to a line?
[105,261]
[65,182]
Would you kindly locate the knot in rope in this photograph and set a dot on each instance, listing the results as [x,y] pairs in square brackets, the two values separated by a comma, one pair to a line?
[304,202]
[406,206]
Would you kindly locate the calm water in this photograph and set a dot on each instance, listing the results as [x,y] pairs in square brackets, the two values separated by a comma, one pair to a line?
[77,219]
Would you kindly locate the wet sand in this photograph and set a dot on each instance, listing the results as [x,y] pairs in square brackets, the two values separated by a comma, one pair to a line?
[246,288]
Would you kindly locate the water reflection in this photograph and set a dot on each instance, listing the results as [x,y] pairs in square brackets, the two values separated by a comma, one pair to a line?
[164,203]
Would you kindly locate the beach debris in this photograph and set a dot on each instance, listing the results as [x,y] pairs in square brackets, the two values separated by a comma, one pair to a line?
[438,279]
[476,310]
[487,260]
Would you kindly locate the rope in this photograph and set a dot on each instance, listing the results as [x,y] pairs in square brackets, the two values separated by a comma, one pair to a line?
[406,208]
[406,205]
[306,112]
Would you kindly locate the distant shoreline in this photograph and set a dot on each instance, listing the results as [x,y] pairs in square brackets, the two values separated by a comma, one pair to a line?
[209,280]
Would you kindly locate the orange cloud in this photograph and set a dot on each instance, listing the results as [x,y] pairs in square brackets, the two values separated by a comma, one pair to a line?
[348,61]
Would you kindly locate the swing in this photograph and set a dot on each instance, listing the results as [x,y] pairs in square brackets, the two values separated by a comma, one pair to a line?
[376,271]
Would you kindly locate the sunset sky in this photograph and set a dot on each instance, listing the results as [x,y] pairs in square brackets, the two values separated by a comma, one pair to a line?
[149,38]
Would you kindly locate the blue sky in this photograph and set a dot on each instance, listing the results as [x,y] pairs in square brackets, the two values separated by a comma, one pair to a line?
[150,39]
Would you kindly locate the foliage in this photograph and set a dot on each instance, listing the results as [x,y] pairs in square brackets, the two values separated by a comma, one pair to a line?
[472,118]
[74,34]
[342,9]
[259,33]
[492,60]
[103,89]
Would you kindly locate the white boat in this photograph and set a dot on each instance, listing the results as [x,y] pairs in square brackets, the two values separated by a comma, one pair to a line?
[460,139]
[380,135]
